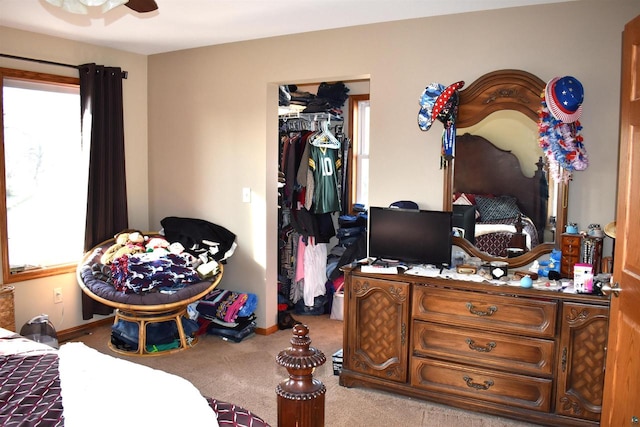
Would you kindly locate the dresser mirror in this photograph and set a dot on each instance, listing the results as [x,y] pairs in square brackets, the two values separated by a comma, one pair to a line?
[505,206]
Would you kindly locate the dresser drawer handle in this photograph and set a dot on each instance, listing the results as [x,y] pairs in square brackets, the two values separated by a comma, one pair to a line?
[489,312]
[472,345]
[477,386]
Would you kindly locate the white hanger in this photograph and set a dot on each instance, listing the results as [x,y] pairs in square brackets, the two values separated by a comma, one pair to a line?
[325,139]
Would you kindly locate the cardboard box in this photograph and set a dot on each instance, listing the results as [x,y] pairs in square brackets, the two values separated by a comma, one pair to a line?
[583,278]
[337,362]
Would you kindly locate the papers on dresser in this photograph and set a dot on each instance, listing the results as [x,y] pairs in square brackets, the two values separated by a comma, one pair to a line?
[424,270]
[431,271]
[379,269]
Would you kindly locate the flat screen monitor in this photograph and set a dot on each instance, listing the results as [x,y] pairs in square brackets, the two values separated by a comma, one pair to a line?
[410,236]
[464,218]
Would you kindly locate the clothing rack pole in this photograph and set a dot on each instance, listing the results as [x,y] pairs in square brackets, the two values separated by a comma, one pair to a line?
[125,74]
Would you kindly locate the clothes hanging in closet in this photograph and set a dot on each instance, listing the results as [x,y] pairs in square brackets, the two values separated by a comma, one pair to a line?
[310,271]
[310,161]
[325,163]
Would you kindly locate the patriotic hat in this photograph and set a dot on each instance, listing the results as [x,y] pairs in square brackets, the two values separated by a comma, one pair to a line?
[443,106]
[564,96]
[434,103]
[427,102]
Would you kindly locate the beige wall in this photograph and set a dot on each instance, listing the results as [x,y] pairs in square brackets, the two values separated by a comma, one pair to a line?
[213,120]
[212,117]
[34,297]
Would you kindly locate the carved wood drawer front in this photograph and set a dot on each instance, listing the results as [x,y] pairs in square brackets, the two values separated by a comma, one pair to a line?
[509,389]
[571,245]
[570,259]
[486,349]
[536,318]
[571,241]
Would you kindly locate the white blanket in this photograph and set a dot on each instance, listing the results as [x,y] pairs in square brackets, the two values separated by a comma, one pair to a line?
[100,390]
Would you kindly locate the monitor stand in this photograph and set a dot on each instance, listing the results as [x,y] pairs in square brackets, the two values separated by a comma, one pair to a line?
[442,267]
[385,262]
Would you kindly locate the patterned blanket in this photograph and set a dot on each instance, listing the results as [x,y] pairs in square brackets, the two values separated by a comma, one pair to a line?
[31,392]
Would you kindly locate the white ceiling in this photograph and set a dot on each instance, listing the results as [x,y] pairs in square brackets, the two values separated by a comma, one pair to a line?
[183,24]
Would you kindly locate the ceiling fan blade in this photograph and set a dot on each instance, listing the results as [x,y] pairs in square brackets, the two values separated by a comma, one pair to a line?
[142,6]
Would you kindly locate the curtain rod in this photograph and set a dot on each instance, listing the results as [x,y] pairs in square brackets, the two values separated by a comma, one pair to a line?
[125,74]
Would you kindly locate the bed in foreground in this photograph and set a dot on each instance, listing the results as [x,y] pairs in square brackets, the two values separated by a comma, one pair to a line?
[79,386]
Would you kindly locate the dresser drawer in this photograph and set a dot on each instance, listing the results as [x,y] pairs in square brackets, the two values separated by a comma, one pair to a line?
[570,245]
[508,389]
[533,356]
[489,312]
[570,250]
[573,240]
[570,259]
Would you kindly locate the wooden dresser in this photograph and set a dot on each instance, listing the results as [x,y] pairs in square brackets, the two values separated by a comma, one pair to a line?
[527,354]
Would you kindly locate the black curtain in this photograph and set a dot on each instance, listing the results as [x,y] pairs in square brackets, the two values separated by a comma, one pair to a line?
[103,124]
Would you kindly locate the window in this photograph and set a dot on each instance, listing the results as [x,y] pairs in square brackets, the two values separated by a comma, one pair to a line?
[359,179]
[44,175]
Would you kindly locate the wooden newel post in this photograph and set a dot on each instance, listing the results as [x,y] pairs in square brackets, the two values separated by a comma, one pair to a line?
[301,397]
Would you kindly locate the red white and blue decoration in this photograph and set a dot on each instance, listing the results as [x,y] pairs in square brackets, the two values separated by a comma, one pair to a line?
[560,129]
[440,102]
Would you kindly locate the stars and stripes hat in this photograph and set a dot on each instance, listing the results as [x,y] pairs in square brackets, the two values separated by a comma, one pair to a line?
[427,102]
[564,97]
[434,101]
[442,108]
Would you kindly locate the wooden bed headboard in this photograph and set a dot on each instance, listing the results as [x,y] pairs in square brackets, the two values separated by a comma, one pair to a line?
[500,90]
[482,159]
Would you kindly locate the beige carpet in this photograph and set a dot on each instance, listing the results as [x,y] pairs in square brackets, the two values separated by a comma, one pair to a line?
[246,374]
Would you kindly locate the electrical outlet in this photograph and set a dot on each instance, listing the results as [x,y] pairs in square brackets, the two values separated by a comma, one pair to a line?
[57,295]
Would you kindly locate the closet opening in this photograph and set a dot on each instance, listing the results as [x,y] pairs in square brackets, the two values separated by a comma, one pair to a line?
[323,175]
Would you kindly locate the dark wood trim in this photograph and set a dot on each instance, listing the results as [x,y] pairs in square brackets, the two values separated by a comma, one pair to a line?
[267,331]
[71,333]
[519,261]
[353,151]
[500,90]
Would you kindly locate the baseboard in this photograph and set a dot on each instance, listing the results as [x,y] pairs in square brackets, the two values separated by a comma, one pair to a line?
[71,333]
[268,331]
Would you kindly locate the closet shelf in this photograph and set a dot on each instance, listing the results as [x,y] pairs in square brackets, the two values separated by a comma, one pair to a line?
[311,117]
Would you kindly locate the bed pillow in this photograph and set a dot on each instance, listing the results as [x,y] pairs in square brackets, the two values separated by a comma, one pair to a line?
[497,208]
[461,199]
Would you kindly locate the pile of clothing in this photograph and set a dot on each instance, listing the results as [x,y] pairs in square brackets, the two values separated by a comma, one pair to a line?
[330,98]
[227,314]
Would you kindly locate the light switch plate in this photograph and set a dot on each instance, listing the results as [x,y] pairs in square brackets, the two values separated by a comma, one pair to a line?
[246,195]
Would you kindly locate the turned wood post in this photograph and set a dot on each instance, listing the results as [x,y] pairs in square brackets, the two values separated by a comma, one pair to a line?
[301,397]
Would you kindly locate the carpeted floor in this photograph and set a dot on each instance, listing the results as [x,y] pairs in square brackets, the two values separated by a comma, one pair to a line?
[246,374]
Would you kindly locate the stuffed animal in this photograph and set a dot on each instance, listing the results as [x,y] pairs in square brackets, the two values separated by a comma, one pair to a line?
[155,243]
[553,264]
[126,243]
[157,246]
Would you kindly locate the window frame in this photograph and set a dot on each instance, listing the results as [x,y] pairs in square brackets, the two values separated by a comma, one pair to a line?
[354,137]
[52,270]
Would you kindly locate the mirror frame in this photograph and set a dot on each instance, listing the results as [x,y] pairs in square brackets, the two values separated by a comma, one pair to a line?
[497,91]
